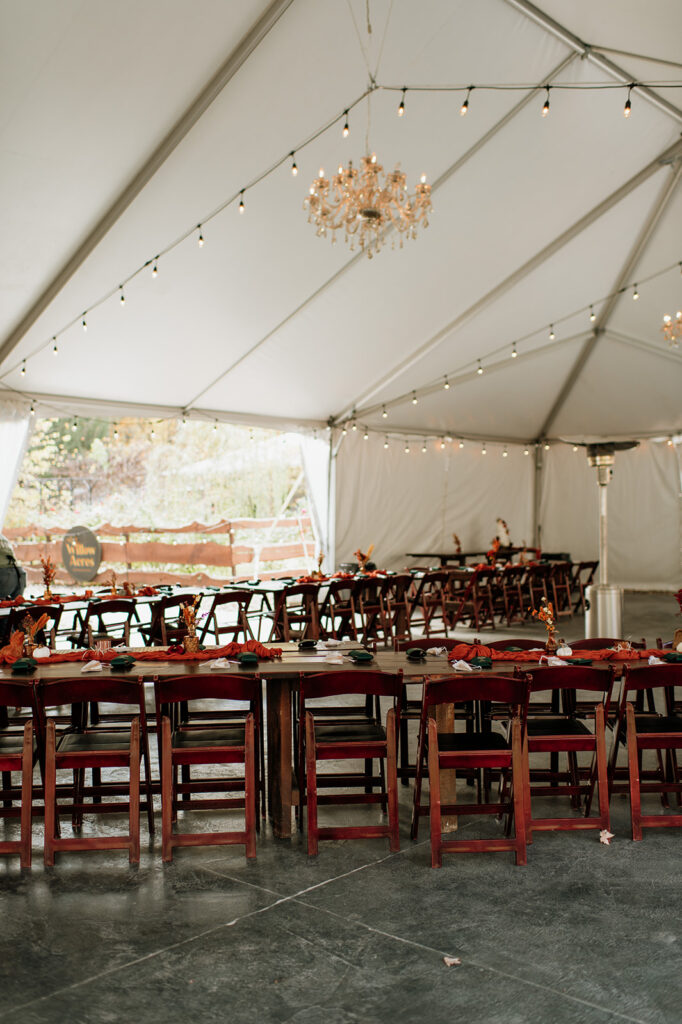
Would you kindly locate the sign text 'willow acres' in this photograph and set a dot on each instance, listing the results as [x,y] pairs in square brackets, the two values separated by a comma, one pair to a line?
[81,553]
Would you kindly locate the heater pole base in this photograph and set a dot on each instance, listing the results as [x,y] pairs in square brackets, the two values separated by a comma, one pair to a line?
[604,615]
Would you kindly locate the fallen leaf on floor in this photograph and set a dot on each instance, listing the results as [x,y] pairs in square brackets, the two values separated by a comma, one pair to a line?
[451,961]
[605,837]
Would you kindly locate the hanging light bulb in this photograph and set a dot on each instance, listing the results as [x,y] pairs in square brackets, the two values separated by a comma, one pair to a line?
[84,324]
[546,446]
[526,451]
[155,268]
[514,352]
[414,398]
[346,126]
[545,109]
[32,410]
[385,442]
[115,432]
[74,425]
[442,443]
[365,436]
[294,168]
[446,384]
[152,434]
[401,108]
[23,368]
[384,413]
[123,298]
[241,201]
[55,350]
[670,440]
[505,452]
[424,446]
[407,447]
[200,239]
[464,109]
[354,425]
[635,294]
[552,335]
[627,109]
[593,315]
[484,450]
[215,424]
[479,369]
[344,430]
[461,444]
[575,447]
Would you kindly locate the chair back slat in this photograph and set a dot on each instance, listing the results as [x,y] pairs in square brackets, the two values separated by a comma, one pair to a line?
[16,695]
[495,689]
[80,689]
[649,677]
[215,686]
[336,684]
[571,677]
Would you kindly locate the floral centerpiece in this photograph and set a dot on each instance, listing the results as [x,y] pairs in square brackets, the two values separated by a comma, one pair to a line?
[49,573]
[111,582]
[492,554]
[503,533]
[31,628]
[363,558]
[546,614]
[189,614]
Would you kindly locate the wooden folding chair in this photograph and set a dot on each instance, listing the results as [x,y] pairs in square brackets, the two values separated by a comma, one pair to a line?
[356,738]
[18,753]
[80,747]
[485,749]
[237,629]
[187,741]
[661,733]
[562,729]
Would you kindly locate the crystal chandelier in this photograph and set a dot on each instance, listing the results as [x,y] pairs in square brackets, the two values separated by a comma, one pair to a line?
[358,204]
[672,329]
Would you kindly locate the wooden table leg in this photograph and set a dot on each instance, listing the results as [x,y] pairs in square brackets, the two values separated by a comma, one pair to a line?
[445,722]
[280,755]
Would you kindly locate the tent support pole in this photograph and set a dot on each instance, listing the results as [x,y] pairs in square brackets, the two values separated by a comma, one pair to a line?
[177,133]
[623,279]
[593,55]
[537,495]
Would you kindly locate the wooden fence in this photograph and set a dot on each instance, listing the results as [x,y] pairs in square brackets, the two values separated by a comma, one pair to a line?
[143,554]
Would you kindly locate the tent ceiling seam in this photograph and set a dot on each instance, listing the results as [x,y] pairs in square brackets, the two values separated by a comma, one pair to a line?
[438,183]
[540,257]
[239,55]
[636,252]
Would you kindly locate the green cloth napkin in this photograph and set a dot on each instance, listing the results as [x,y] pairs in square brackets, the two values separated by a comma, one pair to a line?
[23,666]
[580,661]
[416,654]
[482,662]
[122,662]
[247,658]
[671,656]
[360,656]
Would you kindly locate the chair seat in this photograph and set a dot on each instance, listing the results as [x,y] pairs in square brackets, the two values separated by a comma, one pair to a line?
[13,743]
[655,723]
[551,726]
[349,732]
[82,742]
[462,741]
[190,738]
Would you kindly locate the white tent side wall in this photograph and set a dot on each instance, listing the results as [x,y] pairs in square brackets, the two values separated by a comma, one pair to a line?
[645,514]
[414,502]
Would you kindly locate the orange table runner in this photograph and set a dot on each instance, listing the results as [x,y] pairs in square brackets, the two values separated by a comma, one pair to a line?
[14,650]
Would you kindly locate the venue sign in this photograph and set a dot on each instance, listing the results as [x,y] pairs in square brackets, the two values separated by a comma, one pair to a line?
[81,553]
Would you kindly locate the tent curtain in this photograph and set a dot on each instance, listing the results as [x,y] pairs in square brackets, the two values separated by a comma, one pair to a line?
[15,422]
[315,459]
[414,502]
[643,509]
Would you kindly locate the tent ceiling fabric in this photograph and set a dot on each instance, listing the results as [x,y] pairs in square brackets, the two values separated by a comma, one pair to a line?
[268,322]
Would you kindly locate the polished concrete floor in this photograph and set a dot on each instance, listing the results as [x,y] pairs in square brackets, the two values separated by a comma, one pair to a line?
[584,933]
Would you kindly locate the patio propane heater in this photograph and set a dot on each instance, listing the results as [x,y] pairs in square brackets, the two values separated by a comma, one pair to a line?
[604,602]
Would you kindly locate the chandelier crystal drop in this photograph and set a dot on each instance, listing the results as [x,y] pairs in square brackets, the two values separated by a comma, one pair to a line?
[364,208]
[672,329]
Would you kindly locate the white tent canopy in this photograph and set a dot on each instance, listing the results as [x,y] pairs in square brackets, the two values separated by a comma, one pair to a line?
[123,127]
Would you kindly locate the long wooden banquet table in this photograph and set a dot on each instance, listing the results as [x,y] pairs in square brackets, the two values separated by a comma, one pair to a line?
[281,675]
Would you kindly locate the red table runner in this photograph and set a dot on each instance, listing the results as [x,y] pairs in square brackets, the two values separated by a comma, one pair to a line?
[14,650]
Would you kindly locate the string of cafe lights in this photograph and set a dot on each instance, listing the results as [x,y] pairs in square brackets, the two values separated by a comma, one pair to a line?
[444,441]
[466,92]
[508,349]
